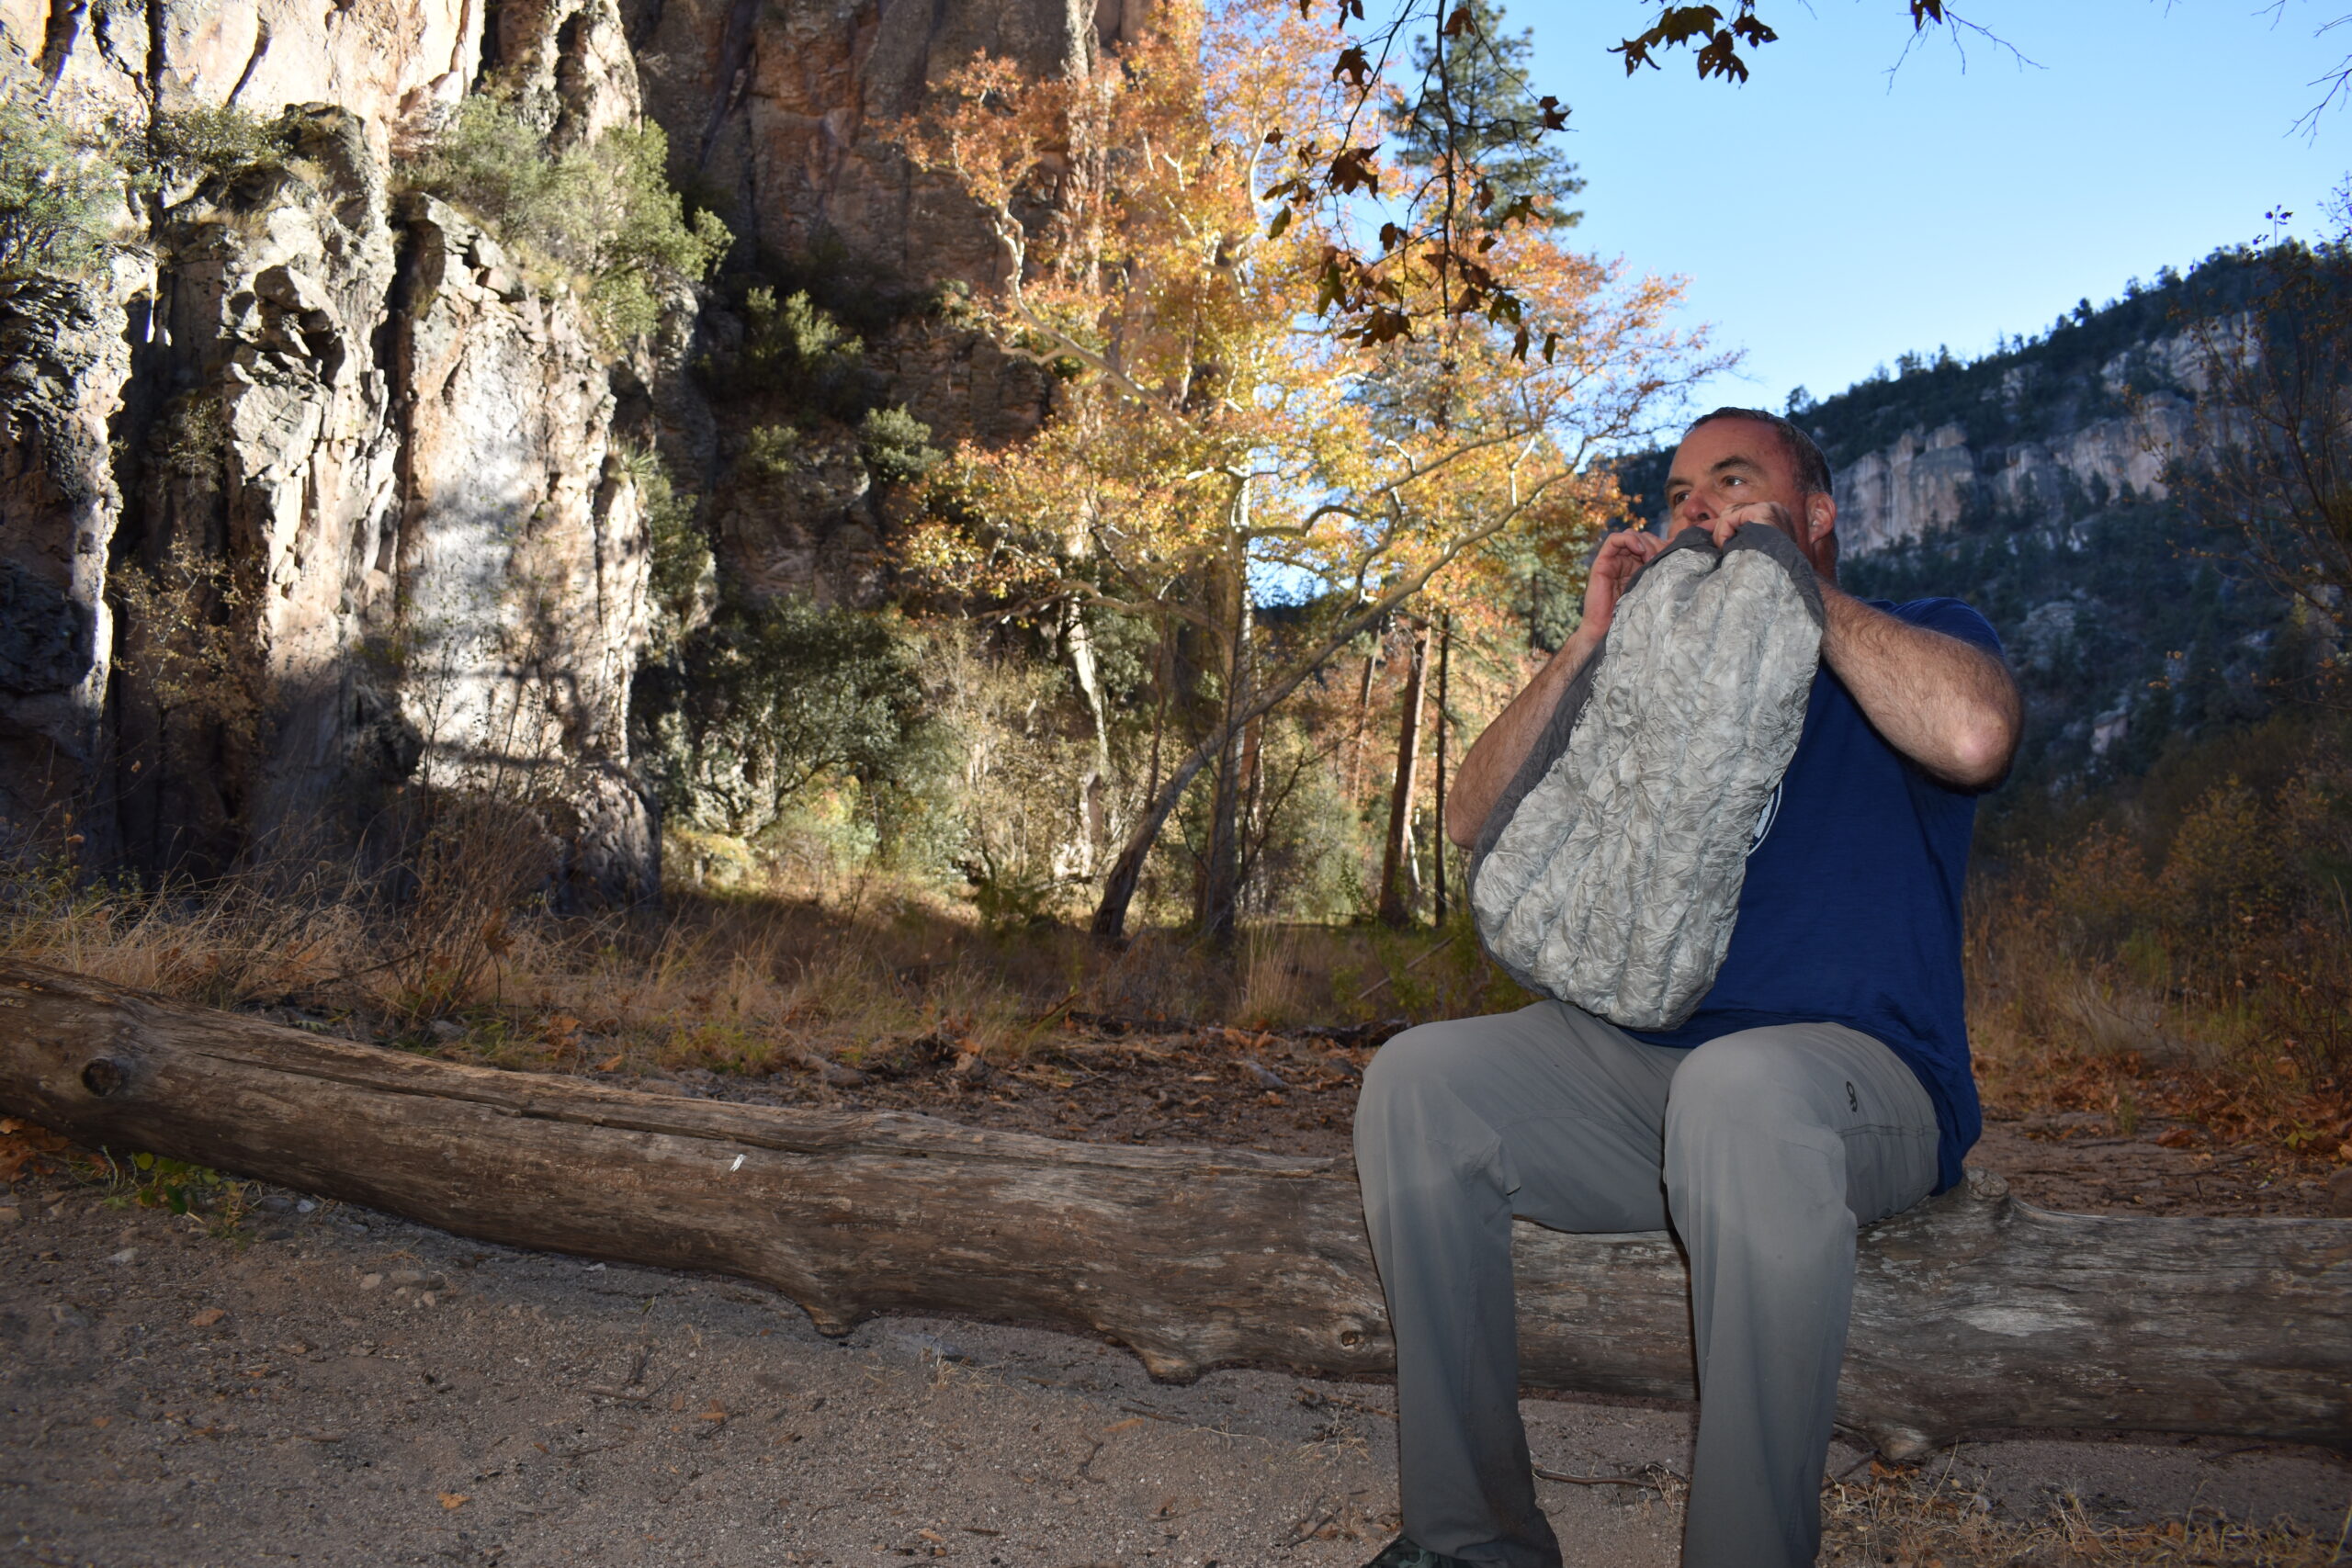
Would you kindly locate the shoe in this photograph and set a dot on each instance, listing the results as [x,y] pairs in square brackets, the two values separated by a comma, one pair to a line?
[1402,1554]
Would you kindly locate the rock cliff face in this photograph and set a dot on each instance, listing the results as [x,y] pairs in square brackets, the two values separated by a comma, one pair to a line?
[62,365]
[314,498]
[1926,480]
[2038,485]
[779,112]
[387,61]
[782,109]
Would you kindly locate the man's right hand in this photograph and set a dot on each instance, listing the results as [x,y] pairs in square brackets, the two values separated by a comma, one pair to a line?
[1622,555]
[1491,764]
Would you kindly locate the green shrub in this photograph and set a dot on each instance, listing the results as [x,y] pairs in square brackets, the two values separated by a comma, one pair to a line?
[602,213]
[768,701]
[221,142]
[61,190]
[683,578]
[771,451]
[896,445]
[794,350]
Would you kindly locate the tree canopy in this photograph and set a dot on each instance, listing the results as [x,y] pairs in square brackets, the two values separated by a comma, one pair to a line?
[1217,427]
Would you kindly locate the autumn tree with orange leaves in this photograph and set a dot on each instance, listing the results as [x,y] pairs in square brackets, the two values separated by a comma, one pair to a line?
[1215,435]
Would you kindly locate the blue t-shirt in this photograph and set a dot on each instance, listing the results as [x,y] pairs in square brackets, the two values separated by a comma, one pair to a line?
[1851,910]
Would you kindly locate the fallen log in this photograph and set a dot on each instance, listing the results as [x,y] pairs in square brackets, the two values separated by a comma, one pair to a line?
[1974,1312]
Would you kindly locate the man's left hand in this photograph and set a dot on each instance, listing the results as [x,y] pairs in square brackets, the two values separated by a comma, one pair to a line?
[1771,513]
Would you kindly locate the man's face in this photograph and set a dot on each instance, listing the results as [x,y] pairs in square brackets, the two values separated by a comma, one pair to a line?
[1731,471]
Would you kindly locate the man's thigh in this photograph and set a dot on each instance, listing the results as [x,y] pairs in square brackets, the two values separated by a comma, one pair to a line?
[1567,1109]
[1817,1083]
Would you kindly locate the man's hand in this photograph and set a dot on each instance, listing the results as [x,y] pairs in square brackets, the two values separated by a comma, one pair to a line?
[1771,513]
[1946,704]
[1622,555]
[1487,771]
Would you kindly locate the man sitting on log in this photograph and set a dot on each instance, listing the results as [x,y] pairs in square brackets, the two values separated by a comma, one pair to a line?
[1822,1083]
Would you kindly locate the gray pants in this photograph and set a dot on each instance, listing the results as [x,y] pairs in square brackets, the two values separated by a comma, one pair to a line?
[1763,1148]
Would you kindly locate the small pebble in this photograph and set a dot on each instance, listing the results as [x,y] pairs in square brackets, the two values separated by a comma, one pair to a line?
[369,1281]
[10,1214]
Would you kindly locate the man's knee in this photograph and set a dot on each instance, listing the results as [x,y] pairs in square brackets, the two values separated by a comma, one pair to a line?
[1416,1112]
[1405,1076]
[1743,1084]
[1409,1063]
[1746,1135]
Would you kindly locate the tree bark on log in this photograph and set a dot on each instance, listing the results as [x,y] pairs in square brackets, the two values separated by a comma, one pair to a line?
[1971,1312]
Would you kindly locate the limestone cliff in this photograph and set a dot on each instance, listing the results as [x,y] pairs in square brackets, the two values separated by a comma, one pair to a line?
[2041,484]
[2038,483]
[311,496]
[2115,436]
[314,491]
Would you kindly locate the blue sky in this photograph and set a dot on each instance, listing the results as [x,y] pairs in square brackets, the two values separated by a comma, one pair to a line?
[1827,220]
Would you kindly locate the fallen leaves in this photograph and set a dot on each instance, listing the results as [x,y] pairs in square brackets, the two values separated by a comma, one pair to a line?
[207,1318]
[22,1143]
[453,1501]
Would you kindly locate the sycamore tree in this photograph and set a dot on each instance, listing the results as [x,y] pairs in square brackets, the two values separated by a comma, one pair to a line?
[1216,430]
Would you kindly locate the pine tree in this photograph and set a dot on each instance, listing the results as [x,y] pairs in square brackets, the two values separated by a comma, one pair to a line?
[1474,99]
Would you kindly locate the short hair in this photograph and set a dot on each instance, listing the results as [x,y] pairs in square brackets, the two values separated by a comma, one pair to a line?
[1804,453]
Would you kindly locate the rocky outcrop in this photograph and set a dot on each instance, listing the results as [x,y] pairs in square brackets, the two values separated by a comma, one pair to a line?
[784,109]
[567,64]
[265,487]
[2045,486]
[522,554]
[386,62]
[349,480]
[1928,478]
[63,363]
[780,111]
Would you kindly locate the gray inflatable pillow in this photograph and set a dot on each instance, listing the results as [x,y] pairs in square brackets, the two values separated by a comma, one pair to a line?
[1608,873]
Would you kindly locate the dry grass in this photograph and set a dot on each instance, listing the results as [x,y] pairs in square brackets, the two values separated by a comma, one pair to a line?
[2191,957]
[452,951]
[1930,1517]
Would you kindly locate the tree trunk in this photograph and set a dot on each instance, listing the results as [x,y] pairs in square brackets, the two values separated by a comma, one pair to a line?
[1397,855]
[1363,716]
[1090,823]
[1438,838]
[1221,870]
[1971,1312]
[1126,872]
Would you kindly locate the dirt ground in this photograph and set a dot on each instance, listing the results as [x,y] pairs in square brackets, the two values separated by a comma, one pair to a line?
[334,1386]
[321,1384]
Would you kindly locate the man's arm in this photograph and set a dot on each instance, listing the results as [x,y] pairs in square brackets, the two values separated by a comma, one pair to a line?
[1949,705]
[1494,761]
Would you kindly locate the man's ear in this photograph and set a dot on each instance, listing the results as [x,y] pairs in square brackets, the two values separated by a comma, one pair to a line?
[1820,515]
